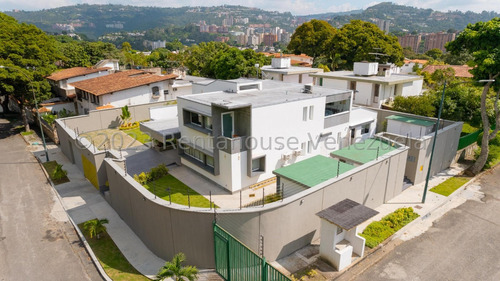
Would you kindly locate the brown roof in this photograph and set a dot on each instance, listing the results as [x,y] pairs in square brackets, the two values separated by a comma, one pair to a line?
[74,72]
[119,81]
[416,61]
[460,70]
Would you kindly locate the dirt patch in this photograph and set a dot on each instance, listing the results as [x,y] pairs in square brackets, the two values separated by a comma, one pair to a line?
[110,139]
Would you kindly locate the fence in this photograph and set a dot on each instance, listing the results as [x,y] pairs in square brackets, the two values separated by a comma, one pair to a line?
[469,139]
[235,261]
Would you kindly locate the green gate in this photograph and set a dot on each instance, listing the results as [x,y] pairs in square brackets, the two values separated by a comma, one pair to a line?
[235,261]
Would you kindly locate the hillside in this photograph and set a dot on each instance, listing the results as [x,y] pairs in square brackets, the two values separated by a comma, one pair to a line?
[96,20]
[409,19]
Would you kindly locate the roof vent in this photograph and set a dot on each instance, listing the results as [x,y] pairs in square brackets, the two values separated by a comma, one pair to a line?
[308,89]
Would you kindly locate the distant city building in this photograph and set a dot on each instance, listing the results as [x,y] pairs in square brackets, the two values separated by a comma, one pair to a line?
[412,41]
[383,25]
[204,28]
[222,29]
[285,38]
[212,28]
[438,40]
[222,39]
[155,44]
[241,40]
[269,39]
[253,40]
[117,25]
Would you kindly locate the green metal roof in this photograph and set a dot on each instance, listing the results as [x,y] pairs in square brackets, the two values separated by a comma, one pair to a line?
[313,171]
[365,151]
[410,120]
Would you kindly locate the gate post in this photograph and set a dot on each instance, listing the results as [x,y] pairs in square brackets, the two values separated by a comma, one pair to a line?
[264,269]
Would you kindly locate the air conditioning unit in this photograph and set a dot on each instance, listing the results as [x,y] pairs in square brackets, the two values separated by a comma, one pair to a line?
[298,153]
[286,157]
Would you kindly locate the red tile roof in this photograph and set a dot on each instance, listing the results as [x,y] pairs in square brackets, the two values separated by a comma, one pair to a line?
[119,81]
[422,62]
[74,72]
[460,70]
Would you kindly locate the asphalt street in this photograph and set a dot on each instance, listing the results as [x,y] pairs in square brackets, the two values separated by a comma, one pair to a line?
[37,242]
[462,245]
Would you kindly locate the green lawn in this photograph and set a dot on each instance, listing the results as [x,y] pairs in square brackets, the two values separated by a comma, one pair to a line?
[178,191]
[450,185]
[138,135]
[112,260]
[27,133]
[467,129]
[49,167]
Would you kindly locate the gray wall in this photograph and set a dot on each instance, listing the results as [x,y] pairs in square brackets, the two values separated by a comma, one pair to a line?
[419,152]
[286,226]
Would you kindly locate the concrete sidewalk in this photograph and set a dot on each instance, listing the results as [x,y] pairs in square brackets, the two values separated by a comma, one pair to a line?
[83,202]
[411,197]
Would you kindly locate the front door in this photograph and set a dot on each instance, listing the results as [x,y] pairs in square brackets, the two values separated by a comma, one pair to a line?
[228,124]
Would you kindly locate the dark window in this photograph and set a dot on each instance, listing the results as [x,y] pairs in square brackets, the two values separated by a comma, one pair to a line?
[196,119]
[376,92]
[156,92]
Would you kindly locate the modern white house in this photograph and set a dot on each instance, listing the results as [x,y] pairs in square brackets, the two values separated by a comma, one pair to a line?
[122,88]
[61,80]
[373,84]
[237,136]
[282,70]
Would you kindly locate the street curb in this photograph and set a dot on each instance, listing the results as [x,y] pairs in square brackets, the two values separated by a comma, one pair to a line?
[393,241]
[93,257]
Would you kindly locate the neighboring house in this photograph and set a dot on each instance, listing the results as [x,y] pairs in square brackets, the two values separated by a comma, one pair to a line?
[372,84]
[61,80]
[122,88]
[461,71]
[295,60]
[282,70]
[113,64]
[238,135]
[407,68]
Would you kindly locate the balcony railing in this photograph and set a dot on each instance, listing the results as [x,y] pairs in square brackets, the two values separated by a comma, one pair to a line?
[231,145]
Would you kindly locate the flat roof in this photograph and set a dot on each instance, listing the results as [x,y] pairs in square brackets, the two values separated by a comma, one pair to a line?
[347,214]
[74,72]
[120,81]
[349,76]
[314,170]
[290,69]
[410,120]
[364,151]
[273,92]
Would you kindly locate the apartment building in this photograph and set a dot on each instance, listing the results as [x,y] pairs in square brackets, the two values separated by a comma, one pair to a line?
[239,131]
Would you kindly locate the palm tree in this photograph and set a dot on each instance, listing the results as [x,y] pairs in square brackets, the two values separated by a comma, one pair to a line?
[95,227]
[125,116]
[175,270]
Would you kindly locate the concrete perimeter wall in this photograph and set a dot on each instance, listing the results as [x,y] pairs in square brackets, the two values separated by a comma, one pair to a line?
[286,226]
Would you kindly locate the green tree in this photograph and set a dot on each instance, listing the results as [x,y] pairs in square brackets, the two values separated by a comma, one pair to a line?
[125,116]
[312,38]
[481,40]
[176,270]
[434,53]
[28,55]
[74,54]
[95,227]
[359,40]
[420,105]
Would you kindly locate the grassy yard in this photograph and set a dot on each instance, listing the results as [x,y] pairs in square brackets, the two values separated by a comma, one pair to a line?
[138,135]
[112,260]
[450,185]
[178,191]
[50,167]
[468,128]
[111,138]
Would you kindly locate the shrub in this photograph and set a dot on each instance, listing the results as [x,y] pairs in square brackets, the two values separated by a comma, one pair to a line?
[377,231]
[158,172]
[49,118]
[58,172]
[142,178]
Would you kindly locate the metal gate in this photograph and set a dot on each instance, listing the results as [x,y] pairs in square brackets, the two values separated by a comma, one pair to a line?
[235,261]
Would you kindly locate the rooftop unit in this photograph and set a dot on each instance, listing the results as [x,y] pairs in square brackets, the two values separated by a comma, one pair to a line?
[365,68]
[281,62]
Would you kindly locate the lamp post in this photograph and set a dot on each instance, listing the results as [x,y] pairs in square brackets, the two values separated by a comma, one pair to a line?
[36,108]
[436,133]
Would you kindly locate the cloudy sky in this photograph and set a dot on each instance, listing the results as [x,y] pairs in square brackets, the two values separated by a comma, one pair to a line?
[297,7]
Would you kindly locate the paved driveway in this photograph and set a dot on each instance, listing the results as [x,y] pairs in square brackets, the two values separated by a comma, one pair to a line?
[37,242]
[463,245]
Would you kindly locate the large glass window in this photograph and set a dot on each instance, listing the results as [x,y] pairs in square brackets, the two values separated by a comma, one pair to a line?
[335,107]
[196,119]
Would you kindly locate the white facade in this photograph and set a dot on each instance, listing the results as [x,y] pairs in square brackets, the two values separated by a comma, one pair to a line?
[407,129]
[372,91]
[66,83]
[279,125]
[132,96]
